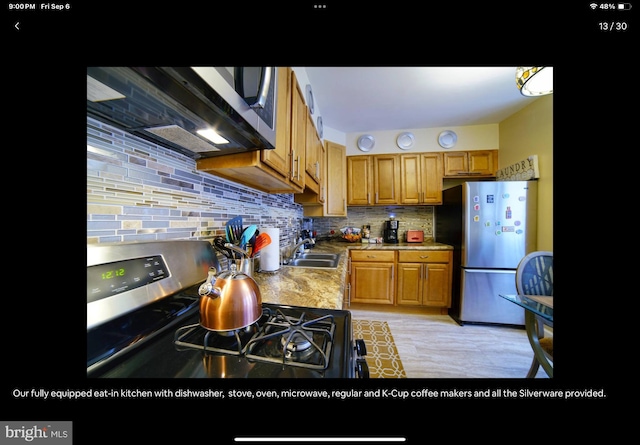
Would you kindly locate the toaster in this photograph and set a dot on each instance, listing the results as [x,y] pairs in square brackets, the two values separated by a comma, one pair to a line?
[415,236]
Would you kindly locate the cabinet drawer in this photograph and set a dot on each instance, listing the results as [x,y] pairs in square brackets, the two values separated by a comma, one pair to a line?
[423,256]
[373,255]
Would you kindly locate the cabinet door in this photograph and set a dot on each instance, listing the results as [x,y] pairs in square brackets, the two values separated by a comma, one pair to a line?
[455,163]
[436,290]
[421,179]
[410,179]
[482,162]
[299,115]
[278,158]
[372,282]
[386,179]
[409,283]
[336,179]
[359,180]
[321,167]
[424,278]
[470,163]
[312,156]
[431,178]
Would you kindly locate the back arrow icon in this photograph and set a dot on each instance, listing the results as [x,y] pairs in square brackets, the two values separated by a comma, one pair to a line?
[16,25]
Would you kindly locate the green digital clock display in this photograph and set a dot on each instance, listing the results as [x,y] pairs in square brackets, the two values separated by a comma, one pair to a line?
[109,274]
[108,279]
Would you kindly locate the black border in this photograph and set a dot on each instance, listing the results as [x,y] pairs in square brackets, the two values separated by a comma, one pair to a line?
[46,63]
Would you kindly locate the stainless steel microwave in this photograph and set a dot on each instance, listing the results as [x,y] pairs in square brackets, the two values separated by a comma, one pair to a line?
[251,91]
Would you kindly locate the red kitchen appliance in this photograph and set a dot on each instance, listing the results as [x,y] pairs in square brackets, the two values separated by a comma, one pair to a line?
[415,236]
[143,321]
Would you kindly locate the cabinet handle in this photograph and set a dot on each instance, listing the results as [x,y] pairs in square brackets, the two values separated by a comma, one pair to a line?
[424,256]
[298,175]
[318,170]
[349,294]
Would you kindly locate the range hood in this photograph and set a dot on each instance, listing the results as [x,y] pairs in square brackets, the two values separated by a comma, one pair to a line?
[167,106]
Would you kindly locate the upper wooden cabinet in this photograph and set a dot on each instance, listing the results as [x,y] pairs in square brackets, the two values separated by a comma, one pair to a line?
[476,163]
[315,192]
[276,170]
[413,179]
[359,180]
[373,180]
[335,185]
[336,179]
[299,118]
[314,154]
[421,178]
[386,179]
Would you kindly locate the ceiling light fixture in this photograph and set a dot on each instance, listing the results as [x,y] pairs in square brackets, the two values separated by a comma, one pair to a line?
[534,80]
[212,136]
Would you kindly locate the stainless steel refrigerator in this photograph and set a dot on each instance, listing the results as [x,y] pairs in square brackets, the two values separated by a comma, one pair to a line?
[492,226]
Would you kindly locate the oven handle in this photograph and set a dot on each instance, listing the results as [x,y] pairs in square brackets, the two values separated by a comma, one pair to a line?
[362,368]
[361,347]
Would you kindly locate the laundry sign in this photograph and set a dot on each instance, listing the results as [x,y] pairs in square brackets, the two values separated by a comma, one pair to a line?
[520,171]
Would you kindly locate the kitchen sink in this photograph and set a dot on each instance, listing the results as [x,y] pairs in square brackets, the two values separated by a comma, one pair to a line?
[320,256]
[316,261]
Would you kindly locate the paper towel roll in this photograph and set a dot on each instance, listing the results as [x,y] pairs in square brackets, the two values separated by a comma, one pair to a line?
[270,255]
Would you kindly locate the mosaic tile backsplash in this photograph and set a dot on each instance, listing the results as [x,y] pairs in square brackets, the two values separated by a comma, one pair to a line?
[137,191]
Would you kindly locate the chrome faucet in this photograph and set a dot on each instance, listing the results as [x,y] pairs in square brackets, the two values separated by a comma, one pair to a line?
[294,252]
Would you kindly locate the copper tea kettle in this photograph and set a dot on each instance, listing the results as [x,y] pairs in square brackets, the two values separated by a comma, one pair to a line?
[230,301]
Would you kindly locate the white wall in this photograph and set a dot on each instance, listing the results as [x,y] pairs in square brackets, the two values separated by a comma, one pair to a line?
[471,137]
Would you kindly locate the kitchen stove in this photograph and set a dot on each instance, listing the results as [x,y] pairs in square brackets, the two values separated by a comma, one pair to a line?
[164,338]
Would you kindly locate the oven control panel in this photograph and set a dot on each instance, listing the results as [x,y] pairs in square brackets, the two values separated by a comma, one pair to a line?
[105,280]
[122,277]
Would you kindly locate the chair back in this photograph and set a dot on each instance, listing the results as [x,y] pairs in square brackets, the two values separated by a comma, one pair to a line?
[534,275]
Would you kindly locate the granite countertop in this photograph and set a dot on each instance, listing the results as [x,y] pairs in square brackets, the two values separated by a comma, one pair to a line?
[322,288]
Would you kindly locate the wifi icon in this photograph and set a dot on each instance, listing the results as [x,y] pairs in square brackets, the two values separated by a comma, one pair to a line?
[593,5]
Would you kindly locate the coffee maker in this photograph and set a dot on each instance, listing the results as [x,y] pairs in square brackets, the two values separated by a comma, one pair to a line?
[391,231]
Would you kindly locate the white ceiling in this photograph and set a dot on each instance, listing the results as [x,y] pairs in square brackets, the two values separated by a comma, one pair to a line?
[365,99]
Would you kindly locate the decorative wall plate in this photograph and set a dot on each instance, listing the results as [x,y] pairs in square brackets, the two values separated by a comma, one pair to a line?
[447,139]
[405,140]
[319,126]
[366,142]
[310,102]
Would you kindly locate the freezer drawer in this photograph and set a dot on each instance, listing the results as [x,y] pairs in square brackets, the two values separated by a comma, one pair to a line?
[480,301]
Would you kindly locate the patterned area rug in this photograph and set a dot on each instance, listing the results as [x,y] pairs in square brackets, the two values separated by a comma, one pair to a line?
[382,355]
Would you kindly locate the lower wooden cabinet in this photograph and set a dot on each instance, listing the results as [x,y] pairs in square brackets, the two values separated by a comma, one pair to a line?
[400,277]
[424,278]
[372,276]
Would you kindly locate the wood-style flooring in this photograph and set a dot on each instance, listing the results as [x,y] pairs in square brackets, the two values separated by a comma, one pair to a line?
[435,346]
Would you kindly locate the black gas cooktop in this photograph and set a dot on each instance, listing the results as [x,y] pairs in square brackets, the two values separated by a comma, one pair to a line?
[143,321]
[286,342]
